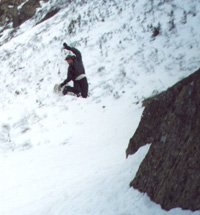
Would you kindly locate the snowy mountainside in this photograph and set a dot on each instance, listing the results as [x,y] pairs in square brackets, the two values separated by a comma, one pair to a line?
[40,132]
[115,39]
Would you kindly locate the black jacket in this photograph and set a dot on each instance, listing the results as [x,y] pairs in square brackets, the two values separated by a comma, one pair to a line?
[76,68]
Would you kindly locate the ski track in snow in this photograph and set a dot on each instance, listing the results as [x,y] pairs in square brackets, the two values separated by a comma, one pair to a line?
[63,155]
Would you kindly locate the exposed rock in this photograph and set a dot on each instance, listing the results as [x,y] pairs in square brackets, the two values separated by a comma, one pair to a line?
[49,15]
[28,10]
[170,174]
[8,11]
[11,13]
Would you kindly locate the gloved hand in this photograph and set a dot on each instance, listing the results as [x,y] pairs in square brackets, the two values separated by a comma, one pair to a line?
[66,46]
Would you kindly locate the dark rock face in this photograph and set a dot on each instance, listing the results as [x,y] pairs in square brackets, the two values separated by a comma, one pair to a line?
[10,12]
[49,15]
[170,172]
[28,10]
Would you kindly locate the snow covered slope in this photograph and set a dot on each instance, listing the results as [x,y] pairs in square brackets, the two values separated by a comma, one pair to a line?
[63,155]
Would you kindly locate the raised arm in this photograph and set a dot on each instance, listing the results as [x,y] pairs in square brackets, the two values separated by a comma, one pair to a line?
[74,50]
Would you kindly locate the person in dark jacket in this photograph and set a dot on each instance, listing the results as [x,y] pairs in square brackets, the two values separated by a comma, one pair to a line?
[76,73]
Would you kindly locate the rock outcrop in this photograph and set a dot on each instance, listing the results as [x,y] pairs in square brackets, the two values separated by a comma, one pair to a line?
[170,172]
[28,10]
[15,12]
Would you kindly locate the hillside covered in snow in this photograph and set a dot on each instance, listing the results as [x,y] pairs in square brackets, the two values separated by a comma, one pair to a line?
[66,155]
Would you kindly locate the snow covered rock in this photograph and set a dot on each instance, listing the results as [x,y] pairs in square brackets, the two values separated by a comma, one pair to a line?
[17,12]
[28,10]
[169,174]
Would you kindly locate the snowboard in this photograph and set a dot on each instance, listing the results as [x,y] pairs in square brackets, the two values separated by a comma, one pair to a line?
[57,89]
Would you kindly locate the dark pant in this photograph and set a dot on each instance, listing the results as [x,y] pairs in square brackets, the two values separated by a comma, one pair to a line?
[80,87]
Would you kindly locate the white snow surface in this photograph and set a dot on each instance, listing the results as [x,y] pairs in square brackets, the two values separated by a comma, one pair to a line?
[62,155]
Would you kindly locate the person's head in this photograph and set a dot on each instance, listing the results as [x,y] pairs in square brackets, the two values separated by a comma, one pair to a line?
[69,59]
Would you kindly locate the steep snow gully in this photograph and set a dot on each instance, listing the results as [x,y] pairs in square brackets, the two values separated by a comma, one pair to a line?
[66,155]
